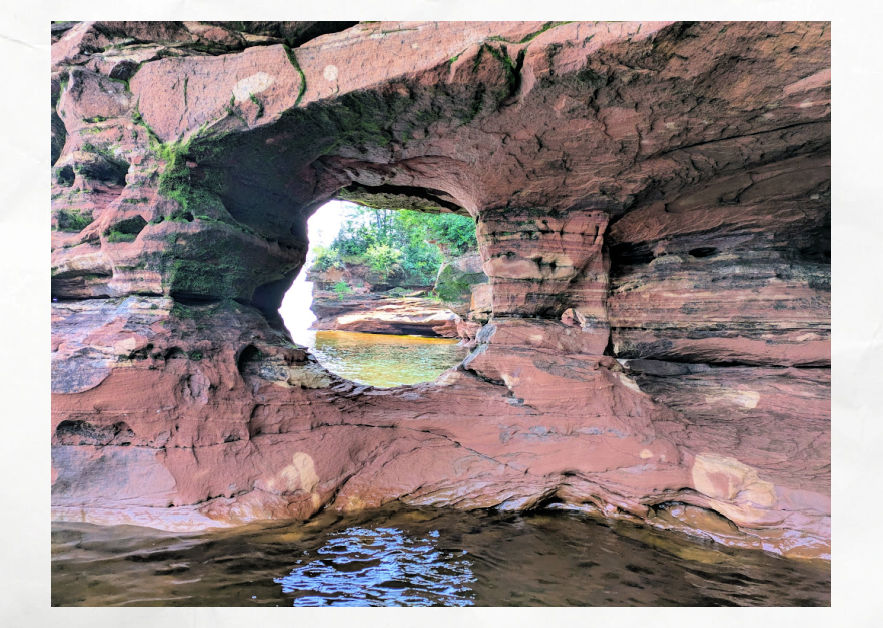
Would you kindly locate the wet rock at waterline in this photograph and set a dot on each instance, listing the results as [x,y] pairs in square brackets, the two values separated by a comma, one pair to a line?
[652,204]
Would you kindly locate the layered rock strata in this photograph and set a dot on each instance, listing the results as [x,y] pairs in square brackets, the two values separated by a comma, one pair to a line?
[653,213]
[375,314]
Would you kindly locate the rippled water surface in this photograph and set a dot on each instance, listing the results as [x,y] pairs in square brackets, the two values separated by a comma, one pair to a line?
[384,360]
[421,557]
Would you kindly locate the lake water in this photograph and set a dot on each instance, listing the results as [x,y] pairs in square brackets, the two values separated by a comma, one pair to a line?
[420,557]
[374,359]
[384,360]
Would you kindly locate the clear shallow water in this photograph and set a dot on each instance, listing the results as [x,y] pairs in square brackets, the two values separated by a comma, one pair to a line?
[381,360]
[418,558]
[384,360]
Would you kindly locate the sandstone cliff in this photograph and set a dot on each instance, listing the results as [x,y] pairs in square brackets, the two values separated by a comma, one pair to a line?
[653,213]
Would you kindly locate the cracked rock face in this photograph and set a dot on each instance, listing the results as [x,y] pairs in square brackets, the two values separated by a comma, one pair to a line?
[652,203]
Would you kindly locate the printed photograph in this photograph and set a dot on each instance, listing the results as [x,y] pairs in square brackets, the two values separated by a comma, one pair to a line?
[440,313]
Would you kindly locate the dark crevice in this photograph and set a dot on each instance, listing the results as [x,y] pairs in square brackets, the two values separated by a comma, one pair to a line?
[293,33]
[104,167]
[483,378]
[174,353]
[65,176]
[545,500]
[680,365]
[629,254]
[140,354]
[57,29]
[703,251]
[814,246]
[125,230]
[248,355]
[69,299]
[609,350]
[331,498]
[85,433]
[740,135]
[63,284]
[513,78]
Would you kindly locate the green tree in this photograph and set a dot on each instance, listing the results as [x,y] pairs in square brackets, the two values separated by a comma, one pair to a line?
[326,258]
[383,259]
[389,241]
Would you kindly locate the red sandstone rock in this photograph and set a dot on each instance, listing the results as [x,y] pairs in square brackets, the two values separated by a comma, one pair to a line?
[384,315]
[643,191]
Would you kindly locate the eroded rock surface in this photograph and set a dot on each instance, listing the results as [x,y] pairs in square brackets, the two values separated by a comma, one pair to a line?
[653,213]
[376,314]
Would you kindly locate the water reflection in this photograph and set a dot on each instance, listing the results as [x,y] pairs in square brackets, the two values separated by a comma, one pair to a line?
[410,557]
[385,360]
[382,567]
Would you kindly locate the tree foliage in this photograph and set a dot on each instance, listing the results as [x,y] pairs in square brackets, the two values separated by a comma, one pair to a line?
[403,243]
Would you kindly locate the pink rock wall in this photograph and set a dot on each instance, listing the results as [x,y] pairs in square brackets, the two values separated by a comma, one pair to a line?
[653,212]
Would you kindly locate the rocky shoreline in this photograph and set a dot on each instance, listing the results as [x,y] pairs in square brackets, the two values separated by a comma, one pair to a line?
[381,308]
[377,314]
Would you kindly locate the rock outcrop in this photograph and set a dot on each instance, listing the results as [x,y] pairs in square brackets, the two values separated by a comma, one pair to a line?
[653,214]
[369,304]
[457,279]
[376,314]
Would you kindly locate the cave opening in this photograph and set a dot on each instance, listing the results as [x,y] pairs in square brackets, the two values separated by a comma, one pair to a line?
[384,297]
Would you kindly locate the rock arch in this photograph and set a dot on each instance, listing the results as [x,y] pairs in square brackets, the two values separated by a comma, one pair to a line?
[653,211]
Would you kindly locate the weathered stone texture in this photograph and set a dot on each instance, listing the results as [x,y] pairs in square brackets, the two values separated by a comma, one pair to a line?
[653,211]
